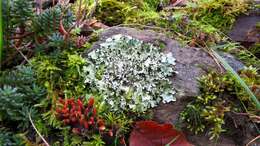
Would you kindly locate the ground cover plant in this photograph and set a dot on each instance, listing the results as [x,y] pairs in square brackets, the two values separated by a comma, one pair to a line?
[55,90]
[220,95]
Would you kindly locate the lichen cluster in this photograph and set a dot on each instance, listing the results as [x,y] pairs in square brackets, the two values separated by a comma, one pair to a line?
[131,74]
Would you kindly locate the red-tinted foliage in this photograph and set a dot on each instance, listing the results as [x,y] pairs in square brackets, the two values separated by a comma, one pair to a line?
[80,117]
[150,133]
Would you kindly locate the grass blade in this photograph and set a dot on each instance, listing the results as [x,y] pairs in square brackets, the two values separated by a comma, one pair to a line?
[237,78]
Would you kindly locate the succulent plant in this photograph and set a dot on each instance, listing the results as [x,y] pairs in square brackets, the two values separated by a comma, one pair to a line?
[82,119]
[131,74]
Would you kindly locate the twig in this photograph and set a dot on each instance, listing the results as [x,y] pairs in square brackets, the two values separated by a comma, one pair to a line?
[19,50]
[214,58]
[242,114]
[248,114]
[34,127]
[253,140]
[173,140]
[22,36]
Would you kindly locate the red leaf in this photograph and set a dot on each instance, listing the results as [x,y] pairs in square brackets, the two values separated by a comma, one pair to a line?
[150,133]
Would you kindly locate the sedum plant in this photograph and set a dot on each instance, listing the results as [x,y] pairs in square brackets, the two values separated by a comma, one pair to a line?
[131,75]
[18,94]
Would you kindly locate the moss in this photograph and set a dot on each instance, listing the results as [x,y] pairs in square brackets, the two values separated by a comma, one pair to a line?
[112,12]
[139,4]
[218,13]
[144,17]
[219,95]
[115,12]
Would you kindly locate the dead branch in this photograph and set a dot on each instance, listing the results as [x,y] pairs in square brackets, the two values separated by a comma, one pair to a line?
[34,127]
[19,50]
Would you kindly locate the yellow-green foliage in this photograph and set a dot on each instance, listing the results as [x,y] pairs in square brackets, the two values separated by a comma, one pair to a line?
[112,12]
[219,13]
[60,73]
[252,78]
[144,18]
[139,4]
[208,109]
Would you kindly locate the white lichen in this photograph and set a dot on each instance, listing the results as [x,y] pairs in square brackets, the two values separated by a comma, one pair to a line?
[134,74]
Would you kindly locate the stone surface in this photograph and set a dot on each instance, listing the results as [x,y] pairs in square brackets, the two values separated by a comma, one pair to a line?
[245,30]
[191,64]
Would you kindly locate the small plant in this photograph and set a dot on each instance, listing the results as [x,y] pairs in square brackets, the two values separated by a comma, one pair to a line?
[206,111]
[218,96]
[60,73]
[18,94]
[96,141]
[192,116]
[82,119]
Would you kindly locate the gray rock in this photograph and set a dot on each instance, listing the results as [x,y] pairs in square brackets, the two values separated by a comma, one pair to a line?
[245,30]
[191,64]
[232,61]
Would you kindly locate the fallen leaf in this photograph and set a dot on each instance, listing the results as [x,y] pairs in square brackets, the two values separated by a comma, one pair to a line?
[93,23]
[150,133]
